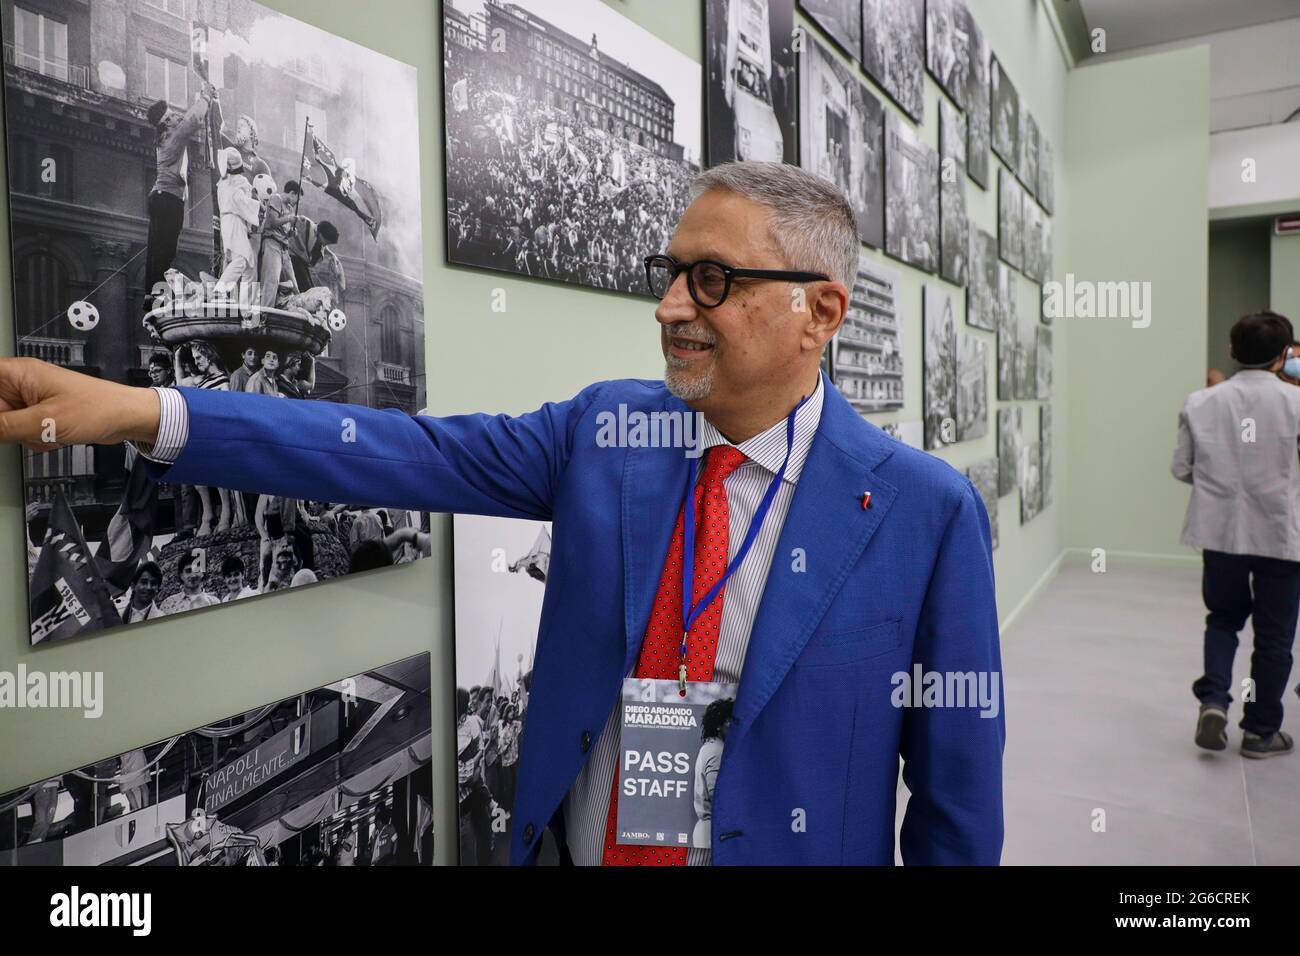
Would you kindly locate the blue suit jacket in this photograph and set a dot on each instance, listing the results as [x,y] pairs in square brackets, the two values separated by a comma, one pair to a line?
[811,763]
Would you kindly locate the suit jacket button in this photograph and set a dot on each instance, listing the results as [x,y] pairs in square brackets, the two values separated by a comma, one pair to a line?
[528,834]
[585,742]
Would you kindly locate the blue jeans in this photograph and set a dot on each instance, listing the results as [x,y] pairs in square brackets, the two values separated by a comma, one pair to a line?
[1267,590]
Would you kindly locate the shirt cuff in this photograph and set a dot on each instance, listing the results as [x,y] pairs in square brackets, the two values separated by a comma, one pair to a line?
[173,428]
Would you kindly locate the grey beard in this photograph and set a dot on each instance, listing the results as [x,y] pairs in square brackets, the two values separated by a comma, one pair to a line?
[687,389]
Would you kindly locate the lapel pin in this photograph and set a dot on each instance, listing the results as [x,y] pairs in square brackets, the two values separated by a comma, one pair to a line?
[866,500]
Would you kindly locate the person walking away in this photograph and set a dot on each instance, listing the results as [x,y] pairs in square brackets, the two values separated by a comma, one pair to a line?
[1237,448]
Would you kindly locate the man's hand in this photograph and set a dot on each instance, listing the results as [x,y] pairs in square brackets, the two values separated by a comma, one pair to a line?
[45,407]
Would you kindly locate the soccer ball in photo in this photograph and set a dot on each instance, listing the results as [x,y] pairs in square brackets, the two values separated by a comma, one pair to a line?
[337,320]
[83,316]
[263,186]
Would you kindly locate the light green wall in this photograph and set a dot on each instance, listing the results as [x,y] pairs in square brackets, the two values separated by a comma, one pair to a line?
[1284,284]
[170,676]
[1238,283]
[1137,165]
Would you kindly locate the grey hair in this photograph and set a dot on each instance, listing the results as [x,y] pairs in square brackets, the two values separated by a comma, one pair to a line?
[812,223]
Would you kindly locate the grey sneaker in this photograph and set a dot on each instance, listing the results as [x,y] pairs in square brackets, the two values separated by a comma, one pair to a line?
[1212,728]
[1257,747]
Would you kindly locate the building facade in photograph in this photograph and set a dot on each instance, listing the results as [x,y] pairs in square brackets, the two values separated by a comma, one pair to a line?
[867,357]
[562,72]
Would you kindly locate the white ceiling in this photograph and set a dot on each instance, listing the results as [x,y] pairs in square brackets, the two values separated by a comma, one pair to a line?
[1138,23]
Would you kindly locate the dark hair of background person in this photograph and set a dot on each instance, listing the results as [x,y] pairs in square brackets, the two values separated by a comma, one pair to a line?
[1260,337]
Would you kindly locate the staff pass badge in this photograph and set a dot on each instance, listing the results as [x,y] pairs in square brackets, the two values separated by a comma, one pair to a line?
[670,754]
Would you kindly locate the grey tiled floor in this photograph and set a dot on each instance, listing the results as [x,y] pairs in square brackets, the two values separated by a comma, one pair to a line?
[1100,716]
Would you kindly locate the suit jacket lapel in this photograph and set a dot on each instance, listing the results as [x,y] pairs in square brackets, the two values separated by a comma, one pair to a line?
[654,481]
[828,522]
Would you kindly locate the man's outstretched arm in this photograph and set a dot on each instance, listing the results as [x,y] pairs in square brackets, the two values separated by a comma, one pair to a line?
[321,451]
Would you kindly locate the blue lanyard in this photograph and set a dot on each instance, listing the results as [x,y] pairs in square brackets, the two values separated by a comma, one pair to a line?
[690,612]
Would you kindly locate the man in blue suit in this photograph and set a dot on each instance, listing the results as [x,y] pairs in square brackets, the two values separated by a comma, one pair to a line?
[842,581]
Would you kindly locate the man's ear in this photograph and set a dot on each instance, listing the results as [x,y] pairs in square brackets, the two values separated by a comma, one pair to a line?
[828,303]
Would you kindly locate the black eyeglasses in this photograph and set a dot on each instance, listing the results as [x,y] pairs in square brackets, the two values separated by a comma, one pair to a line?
[708,280]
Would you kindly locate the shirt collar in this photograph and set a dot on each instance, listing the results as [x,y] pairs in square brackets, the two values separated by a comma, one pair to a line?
[767,448]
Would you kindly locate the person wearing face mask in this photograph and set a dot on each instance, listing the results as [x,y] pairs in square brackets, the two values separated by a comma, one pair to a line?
[1290,371]
[1238,448]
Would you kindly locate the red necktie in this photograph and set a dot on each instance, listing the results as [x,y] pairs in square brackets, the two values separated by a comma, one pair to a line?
[661,649]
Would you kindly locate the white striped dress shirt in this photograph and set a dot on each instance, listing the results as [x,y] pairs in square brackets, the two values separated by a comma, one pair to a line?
[173,428]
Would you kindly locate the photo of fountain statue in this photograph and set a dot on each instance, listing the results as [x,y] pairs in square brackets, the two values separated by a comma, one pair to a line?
[206,194]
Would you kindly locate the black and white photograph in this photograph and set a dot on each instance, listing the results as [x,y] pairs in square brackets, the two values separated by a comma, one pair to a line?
[893,51]
[977,104]
[1026,357]
[1045,450]
[1028,170]
[335,776]
[911,196]
[1043,225]
[986,478]
[954,227]
[1037,241]
[245,216]
[500,571]
[1004,114]
[939,360]
[841,128]
[1009,439]
[947,47]
[865,358]
[1031,483]
[1046,174]
[751,91]
[1043,363]
[1008,333]
[982,302]
[909,433]
[841,20]
[1011,220]
[571,140]
[972,386]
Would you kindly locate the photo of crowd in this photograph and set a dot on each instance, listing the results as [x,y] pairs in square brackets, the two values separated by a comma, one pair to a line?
[267,225]
[501,566]
[1004,107]
[972,387]
[947,46]
[336,776]
[1011,220]
[893,51]
[1010,439]
[939,362]
[954,226]
[983,301]
[984,476]
[911,196]
[567,158]
[842,21]
[977,105]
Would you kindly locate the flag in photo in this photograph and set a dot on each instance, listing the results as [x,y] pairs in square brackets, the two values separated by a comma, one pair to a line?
[69,595]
